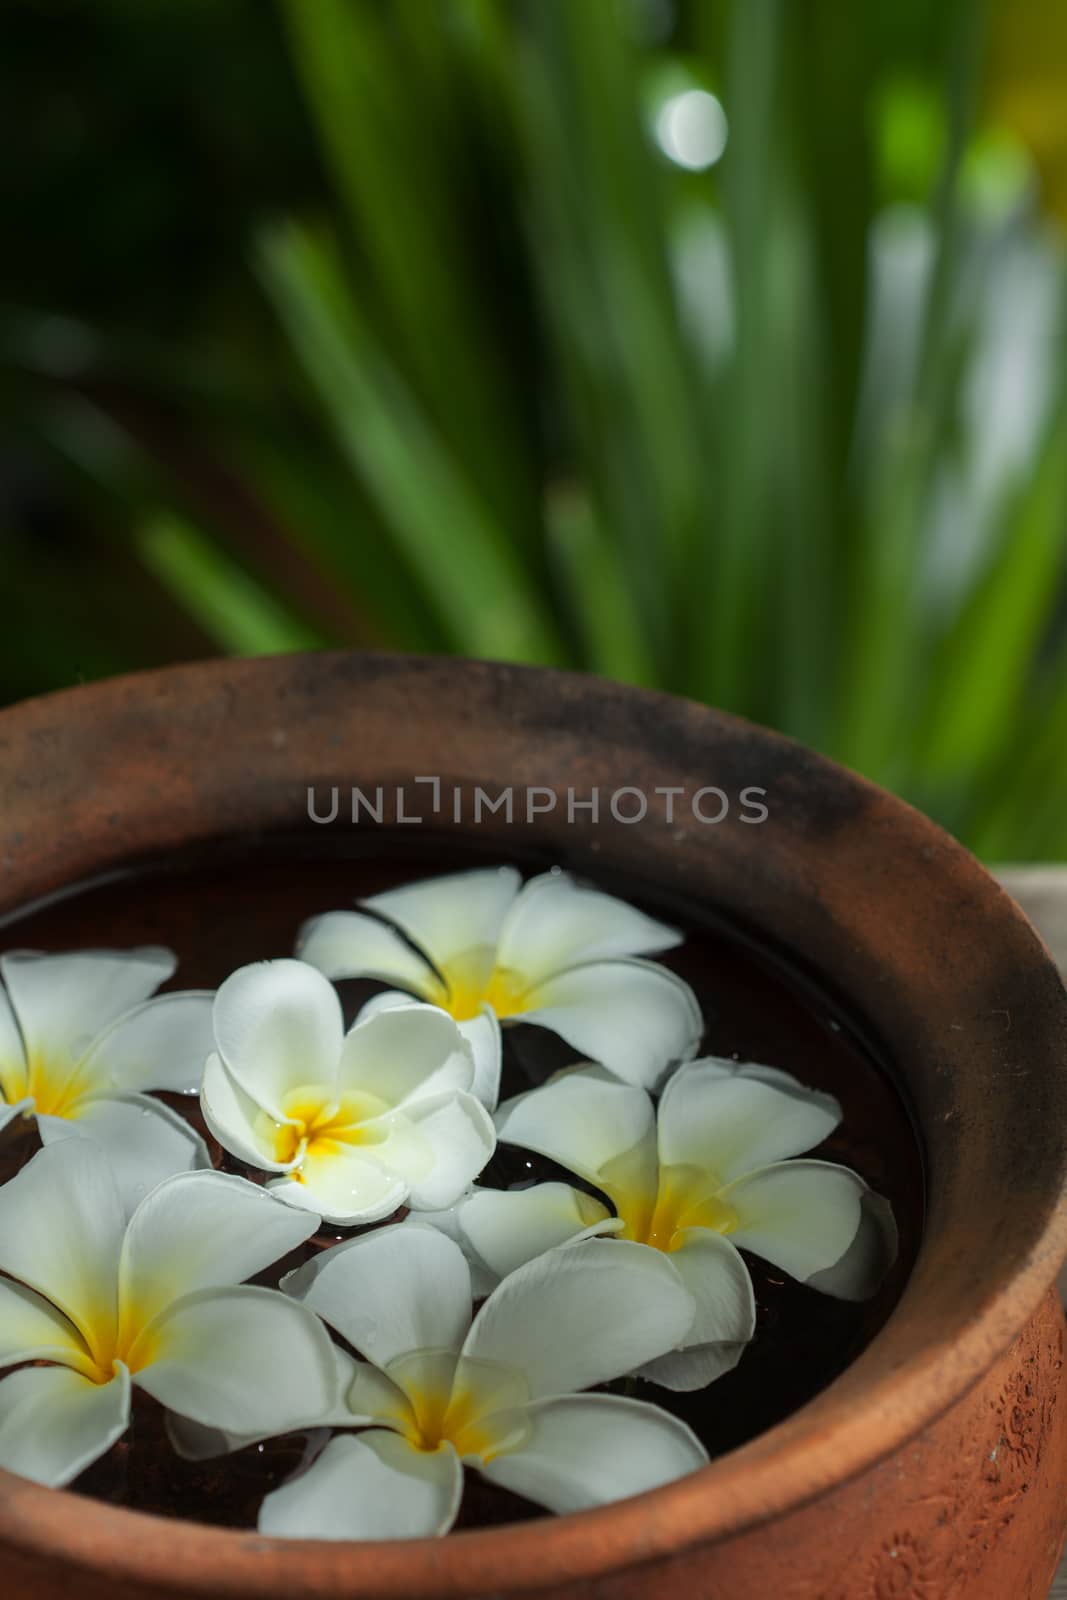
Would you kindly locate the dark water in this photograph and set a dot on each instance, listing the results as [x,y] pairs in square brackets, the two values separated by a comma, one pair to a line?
[237,903]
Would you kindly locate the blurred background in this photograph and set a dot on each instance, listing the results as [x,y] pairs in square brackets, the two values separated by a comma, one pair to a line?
[714,346]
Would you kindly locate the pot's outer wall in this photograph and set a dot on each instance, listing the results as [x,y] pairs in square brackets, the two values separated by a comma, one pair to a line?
[955,985]
[970,1509]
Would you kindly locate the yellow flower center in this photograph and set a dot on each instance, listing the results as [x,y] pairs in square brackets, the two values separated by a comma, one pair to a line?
[136,1350]
[104,1339]
[319,1122]
[679,1197]
[474,1406]
[55,1086]
[472,979]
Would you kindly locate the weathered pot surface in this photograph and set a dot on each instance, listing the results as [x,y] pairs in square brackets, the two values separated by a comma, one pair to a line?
[936,1465]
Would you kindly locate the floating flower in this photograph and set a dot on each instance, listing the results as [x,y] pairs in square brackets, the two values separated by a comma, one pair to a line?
[353,1125]
[706,1178]
[439,1391]
[151,1302]
[487,948]
[80,1042]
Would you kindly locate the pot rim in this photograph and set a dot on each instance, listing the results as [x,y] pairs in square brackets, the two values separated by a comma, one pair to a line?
[161,725]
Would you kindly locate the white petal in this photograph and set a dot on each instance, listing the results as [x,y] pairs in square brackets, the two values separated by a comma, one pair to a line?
[586,1450]
[55,1423]
[278,1026]
[373,1397]
[246,1361]
[482,1033]
[450,915]
[868,1258]
[725,1320]
[390,1292]
[632,1016]
[31,1329]
[462,1137]
[396,1143]
[347,944]
[404,1052]
[343,1185]
[717,1278]
[201,1230]
[508,1227]
[372,1487]
[12,1055]
[583,1120]
[61,1228]
[483,1279]
[692,1368]
[801,1216]
[723,1118]
[162,1044]
[388,1000]
[233,1117]
[195,1441]
[775,1076]
[142,1138]
[63,1001]
[555,924]
[583,1315]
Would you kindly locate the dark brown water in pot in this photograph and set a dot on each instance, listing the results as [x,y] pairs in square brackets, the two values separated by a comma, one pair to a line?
[240,902]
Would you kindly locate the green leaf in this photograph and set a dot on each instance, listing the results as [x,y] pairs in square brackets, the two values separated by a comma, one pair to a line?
[886,659]
[387,87]
[983,667]
[594,589]
[235,611]
[469,572]
[599,249]
[731,589]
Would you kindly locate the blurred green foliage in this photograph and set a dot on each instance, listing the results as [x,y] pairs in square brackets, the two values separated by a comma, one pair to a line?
[403,323]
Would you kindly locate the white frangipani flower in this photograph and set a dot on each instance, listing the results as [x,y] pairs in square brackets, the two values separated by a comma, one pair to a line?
[353,1125]
[487,948]
[152,1302]
[439,1391]
[80,1042]
[708,1177]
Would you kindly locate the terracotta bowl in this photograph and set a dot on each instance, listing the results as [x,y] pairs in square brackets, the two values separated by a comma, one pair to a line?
[936,1465]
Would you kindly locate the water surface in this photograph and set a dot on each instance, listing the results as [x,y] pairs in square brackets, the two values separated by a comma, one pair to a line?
[232,903]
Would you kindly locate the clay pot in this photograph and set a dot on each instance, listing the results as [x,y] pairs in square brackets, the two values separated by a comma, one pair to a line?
[936,1465]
